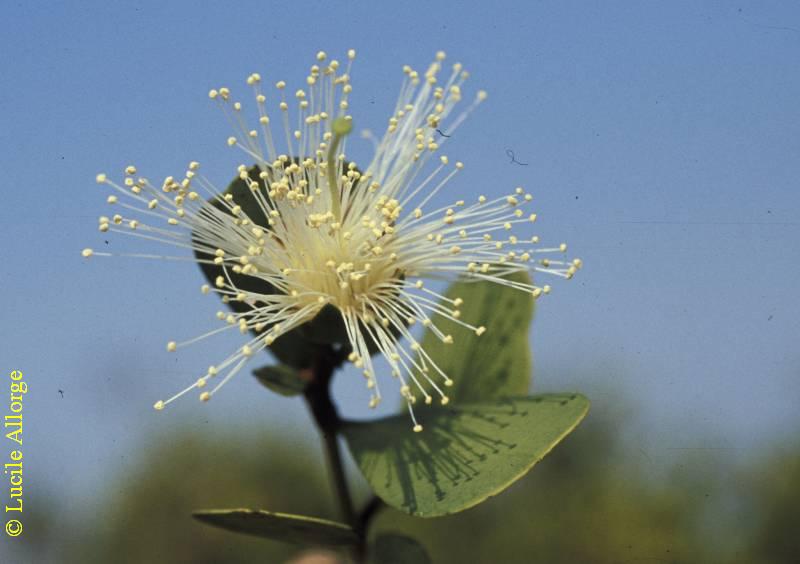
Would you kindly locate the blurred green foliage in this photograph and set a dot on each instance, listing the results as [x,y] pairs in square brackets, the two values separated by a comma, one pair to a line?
[593,500]
[148,516]
[774,504]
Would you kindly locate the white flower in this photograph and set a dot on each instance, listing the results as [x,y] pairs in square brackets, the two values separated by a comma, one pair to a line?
[324,232]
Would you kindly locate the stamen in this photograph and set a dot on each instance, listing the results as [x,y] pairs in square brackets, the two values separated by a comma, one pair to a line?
[319,242]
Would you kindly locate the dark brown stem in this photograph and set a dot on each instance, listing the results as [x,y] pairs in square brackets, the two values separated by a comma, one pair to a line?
[339,478]
[318,397]
[368,513]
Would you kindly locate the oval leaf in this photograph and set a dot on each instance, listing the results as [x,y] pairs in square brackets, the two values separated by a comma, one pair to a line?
[295,529]
[498,363]
[389,548]
[465,454]
[283,379]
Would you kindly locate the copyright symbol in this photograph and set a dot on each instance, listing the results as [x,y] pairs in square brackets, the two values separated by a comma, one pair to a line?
[13,528]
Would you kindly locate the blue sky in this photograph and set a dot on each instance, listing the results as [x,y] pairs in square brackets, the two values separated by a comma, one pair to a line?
[661,141]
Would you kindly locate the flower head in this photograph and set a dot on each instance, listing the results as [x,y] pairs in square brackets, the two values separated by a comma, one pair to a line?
[310,230]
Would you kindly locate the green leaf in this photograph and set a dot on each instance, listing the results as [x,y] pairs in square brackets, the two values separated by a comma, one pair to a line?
[293,349]
[296,529]
[498,363]
[283,379]
[465,453]
[389,548]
